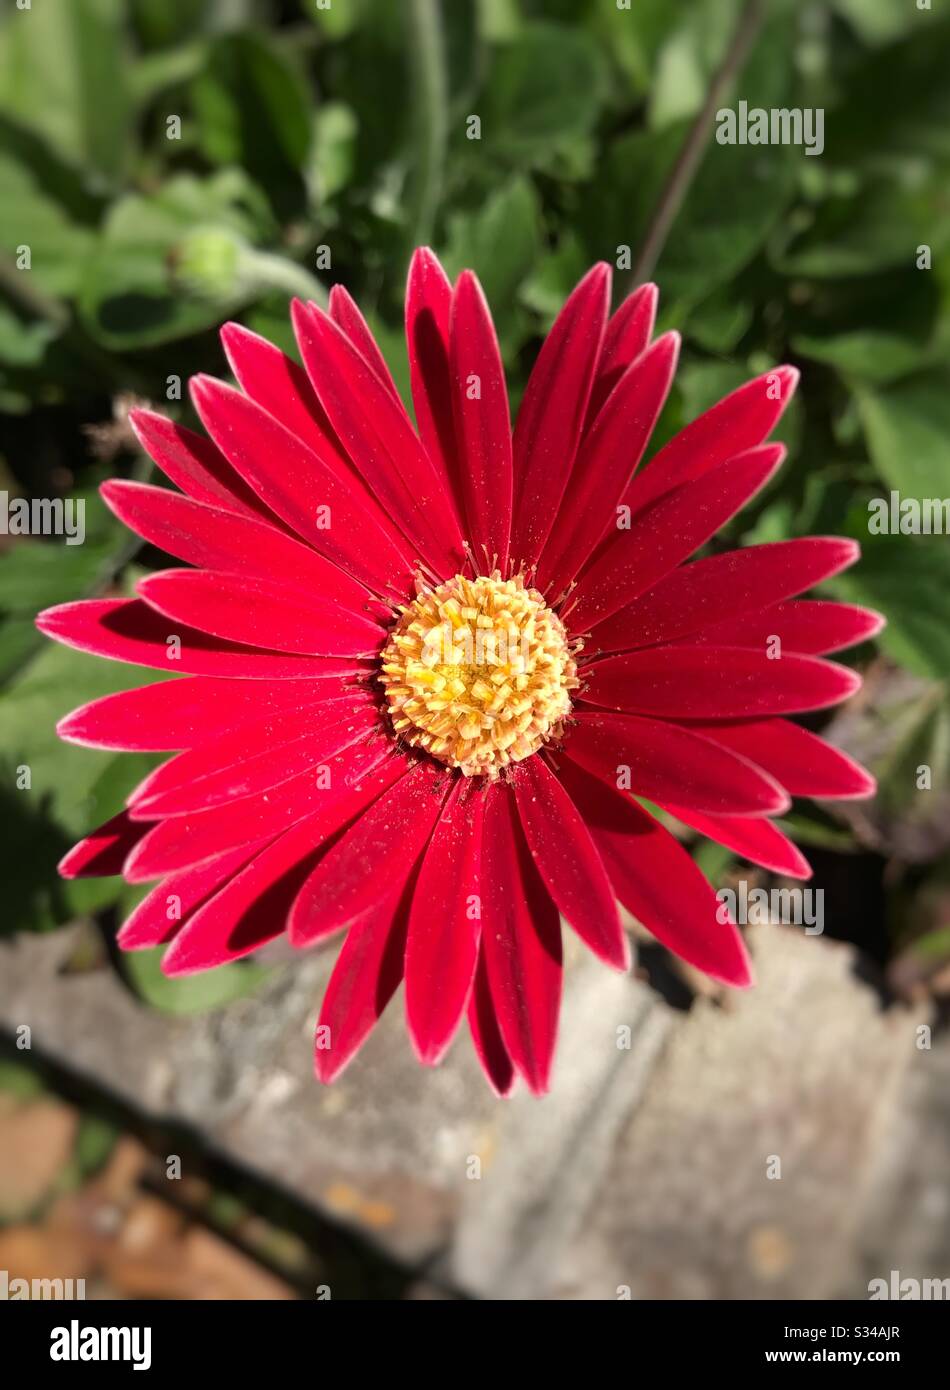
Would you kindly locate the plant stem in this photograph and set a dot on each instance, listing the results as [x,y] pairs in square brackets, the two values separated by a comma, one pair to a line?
[687,161]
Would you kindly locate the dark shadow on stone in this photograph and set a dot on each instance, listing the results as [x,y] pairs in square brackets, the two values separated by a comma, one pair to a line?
[353,1267]
[655,962]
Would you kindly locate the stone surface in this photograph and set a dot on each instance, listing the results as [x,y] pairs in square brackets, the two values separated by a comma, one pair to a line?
[907,1227]
[386,1150]
[799,1076]
[646,1169]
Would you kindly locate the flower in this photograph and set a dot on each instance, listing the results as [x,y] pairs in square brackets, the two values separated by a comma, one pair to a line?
[432,675]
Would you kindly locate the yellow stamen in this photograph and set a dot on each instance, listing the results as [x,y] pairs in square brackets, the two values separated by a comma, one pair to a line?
[478,672]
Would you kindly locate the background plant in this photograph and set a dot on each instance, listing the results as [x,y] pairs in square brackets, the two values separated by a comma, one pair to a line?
[172,163]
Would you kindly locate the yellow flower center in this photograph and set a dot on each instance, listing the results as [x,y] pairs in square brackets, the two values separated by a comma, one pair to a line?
[478,672]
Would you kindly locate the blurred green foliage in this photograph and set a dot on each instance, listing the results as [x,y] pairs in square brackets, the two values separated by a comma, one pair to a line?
[171,163]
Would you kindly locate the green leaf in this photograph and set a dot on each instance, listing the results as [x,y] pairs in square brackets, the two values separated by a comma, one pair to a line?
[23,344]
[635,38]
[336,21]
[38,573]
[907,578]
[808,829]
[63,74]
[545,90]
[163,22]
[718,323]
[896,102]
[907,428]
[703,383]
[554,278]
[687,61]
[131,297]
[253,109]
[333,153]
[874,356]
[738,196]
[155,73]
[878,228]
[465,52]
[500,242]
[189,994]
[58,249]
[878,21]
[72,789]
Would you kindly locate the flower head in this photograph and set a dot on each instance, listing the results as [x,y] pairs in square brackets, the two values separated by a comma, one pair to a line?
[432,672]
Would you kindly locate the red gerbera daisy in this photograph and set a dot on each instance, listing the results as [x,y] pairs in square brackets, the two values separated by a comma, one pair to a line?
[428,672]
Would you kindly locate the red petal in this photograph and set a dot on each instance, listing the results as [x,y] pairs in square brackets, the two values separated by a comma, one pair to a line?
[260,612]
[171,715]
[296,483]
[125,629]
[195,465]
[716,683]
[609,453]
[807,626]
[101,854]
[724,586]
[665,534]
[757,840]
[252,908]
[483,425]
[356,777]
[568,861]
[428,305]
[442,945]
[247,761]
[803,763]
[374,858]
[150,924]
[656,880]
[365,978]
[486,1035]
[380,440]
[275,381]
[628,332]
[521,938]
[553,410]
[662,766]
[738,422]
[344,313]
[218,540]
